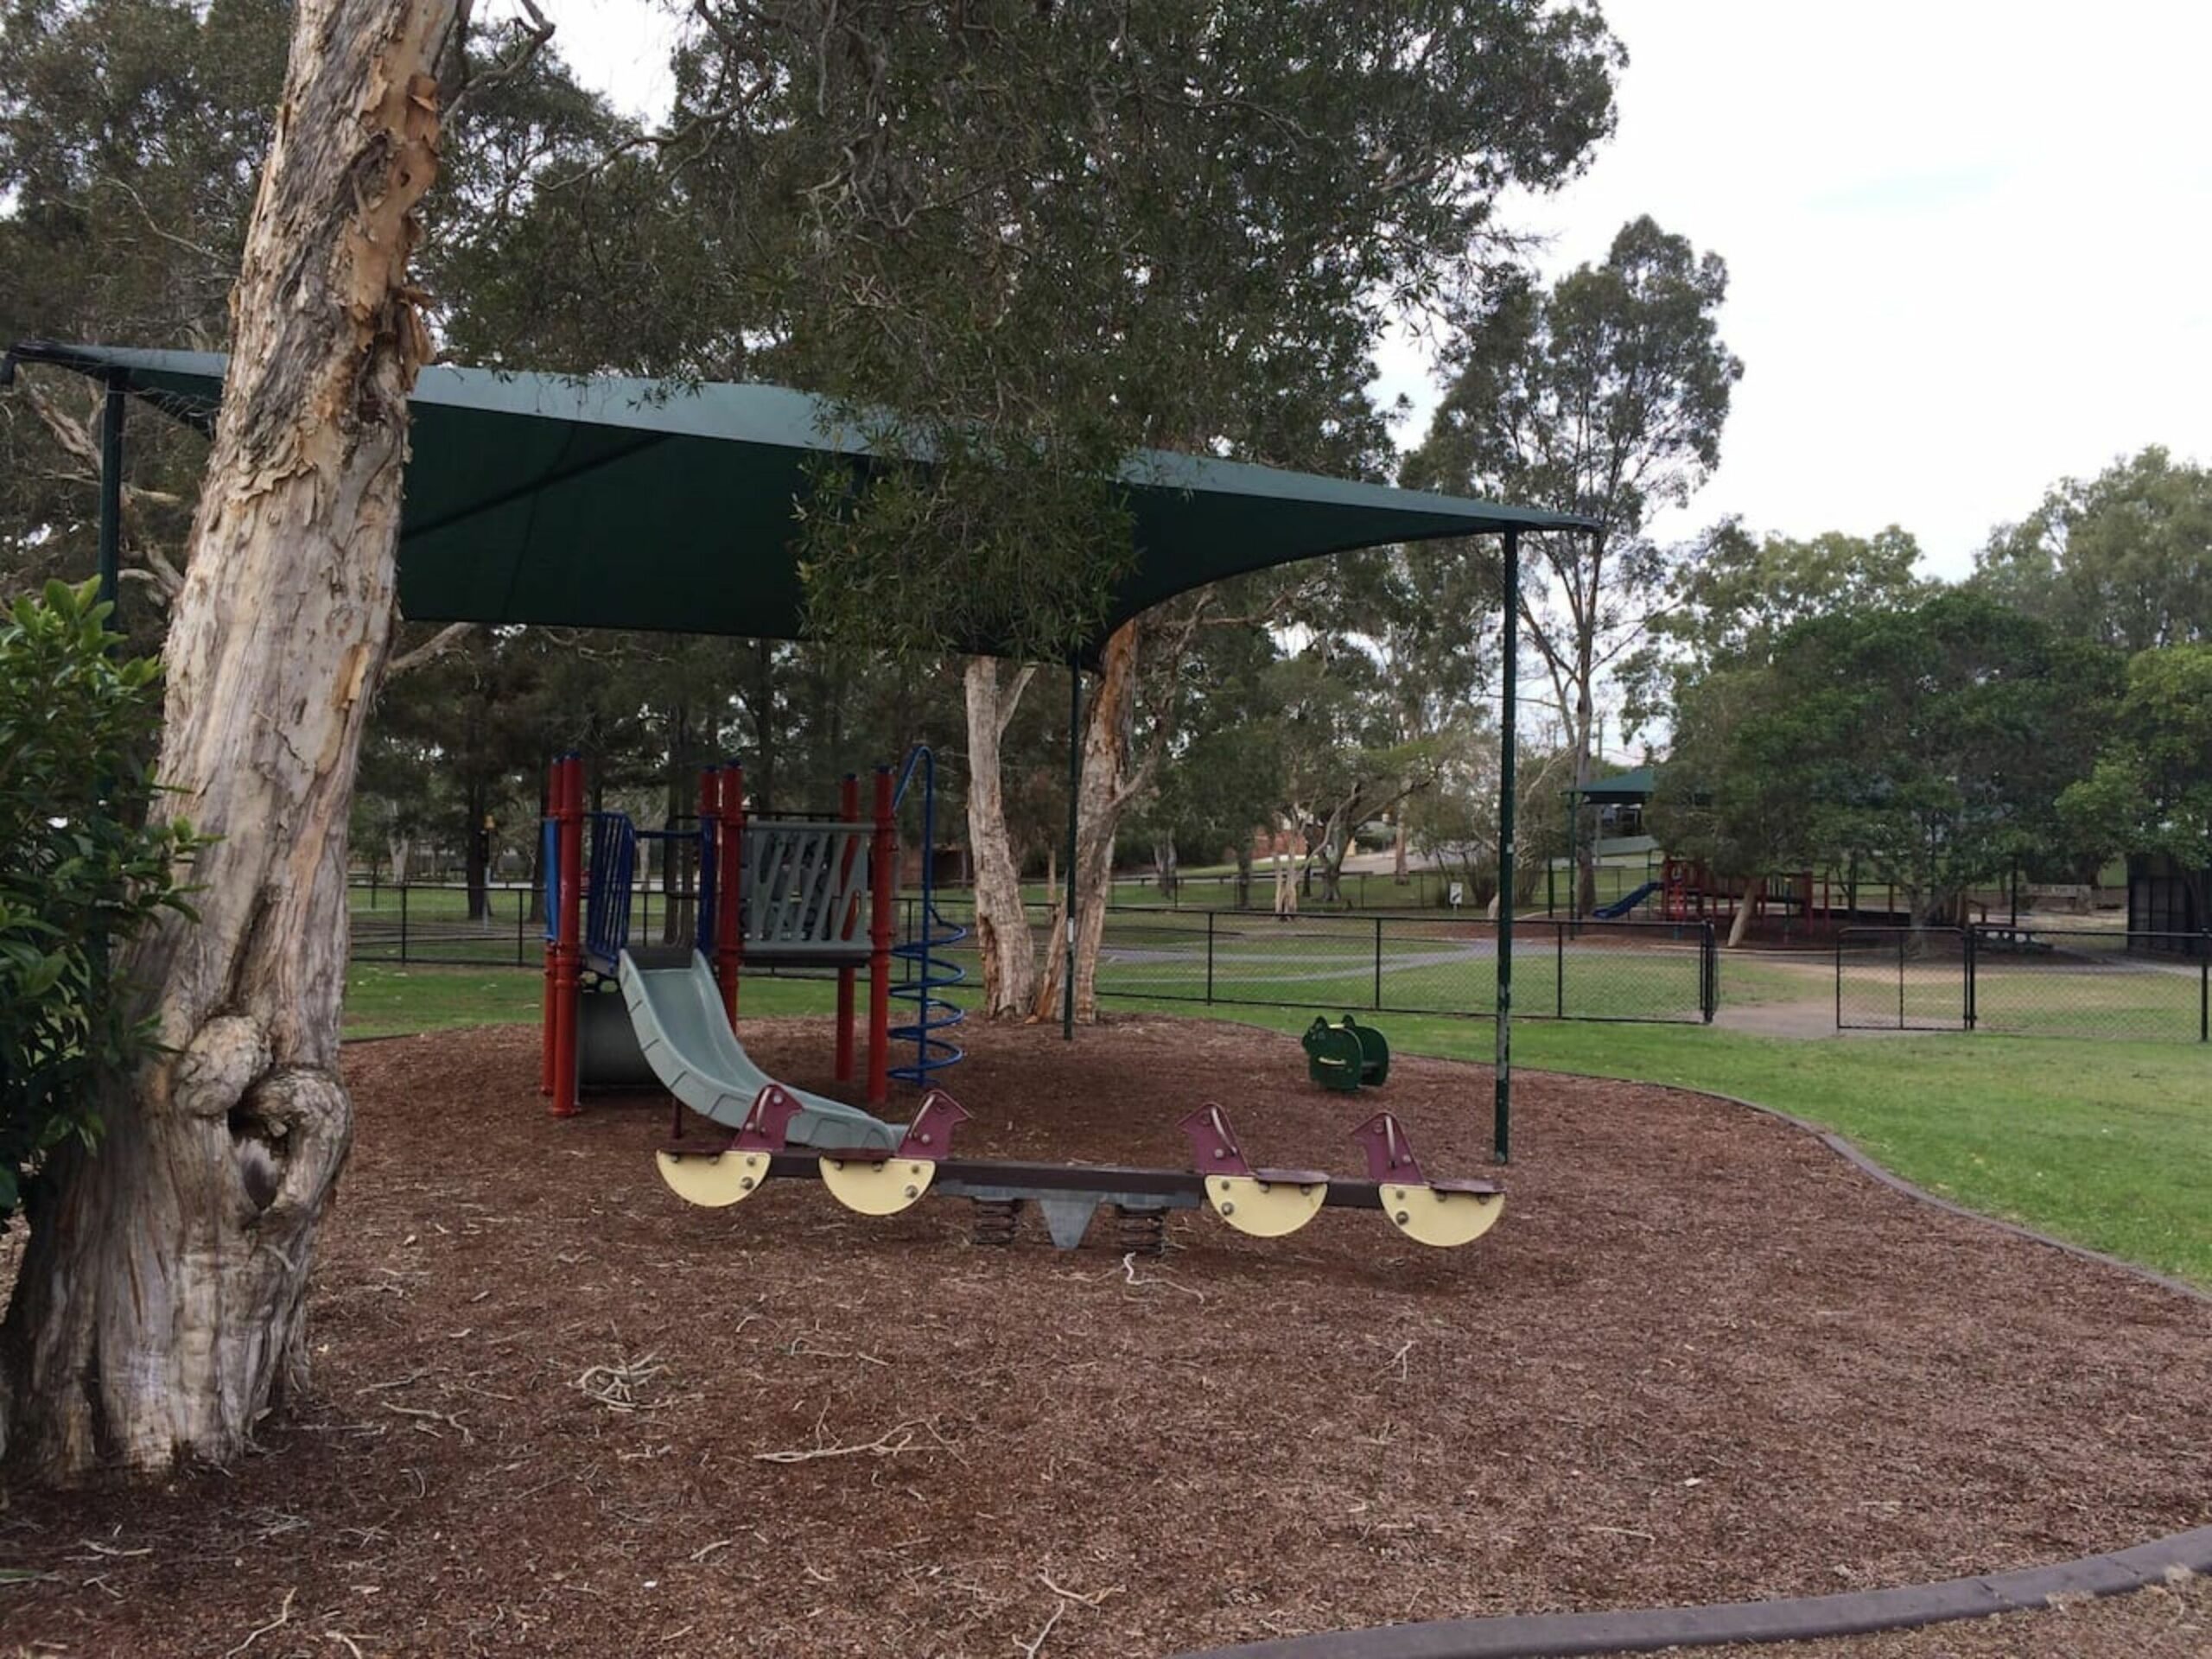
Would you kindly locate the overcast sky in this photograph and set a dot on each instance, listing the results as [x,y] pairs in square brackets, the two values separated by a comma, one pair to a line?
[1969,242]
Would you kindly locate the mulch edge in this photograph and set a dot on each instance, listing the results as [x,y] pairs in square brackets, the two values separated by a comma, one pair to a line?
[1858,1613]
[1865,1164]
[1805,1618]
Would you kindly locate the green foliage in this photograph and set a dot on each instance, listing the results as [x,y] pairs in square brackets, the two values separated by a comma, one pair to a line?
[1927,745]
[1047,236]
[82,869]
[1730,604]
[2152,789]
[2124,559]
[1605,396]
[131,136]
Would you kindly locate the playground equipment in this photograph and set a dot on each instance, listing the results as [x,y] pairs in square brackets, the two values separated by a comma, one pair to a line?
[786,891]
[1264,1203]
[1624,905]
[1342,1057]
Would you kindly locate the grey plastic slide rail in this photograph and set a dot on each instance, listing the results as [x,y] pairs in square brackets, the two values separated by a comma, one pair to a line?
[687,1041]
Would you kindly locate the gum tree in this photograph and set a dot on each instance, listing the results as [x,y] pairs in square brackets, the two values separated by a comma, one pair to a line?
[158,1309]
[1047,236]
[1603,395]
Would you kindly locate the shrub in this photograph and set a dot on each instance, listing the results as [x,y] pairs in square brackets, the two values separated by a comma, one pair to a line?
[83,864]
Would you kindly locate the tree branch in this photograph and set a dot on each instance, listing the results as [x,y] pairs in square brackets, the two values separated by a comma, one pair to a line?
[429,650]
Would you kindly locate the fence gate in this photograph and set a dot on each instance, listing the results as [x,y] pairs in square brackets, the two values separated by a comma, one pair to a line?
[1900,979]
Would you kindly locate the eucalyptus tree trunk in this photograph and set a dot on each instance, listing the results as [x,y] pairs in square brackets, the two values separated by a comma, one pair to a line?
[1105,792]
[1002,937]
[157,1312]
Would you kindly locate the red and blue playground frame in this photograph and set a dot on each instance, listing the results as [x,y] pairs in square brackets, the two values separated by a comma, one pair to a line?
[593,918]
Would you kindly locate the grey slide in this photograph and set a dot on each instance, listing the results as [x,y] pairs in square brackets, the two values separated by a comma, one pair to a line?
[687,1041]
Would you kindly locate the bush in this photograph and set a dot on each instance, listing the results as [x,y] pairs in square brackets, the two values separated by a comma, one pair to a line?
[83,865]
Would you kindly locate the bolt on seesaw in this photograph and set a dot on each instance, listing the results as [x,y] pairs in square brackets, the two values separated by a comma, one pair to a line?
[1262,1203]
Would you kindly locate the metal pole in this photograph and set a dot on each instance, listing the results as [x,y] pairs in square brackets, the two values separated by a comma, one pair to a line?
[1559,984]
[1379,962]
[111,501]
[1502,1103]
[1074,789]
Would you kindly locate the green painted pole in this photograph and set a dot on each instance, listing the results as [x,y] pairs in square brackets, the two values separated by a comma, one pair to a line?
[1501,1105]
[1075,796]
[111,501]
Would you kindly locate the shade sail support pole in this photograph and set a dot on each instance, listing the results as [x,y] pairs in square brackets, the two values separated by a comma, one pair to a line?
[1075,798]
[112,500]
[1502,1103]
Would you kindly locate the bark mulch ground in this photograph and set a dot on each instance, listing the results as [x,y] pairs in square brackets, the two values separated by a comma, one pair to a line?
[557,1412]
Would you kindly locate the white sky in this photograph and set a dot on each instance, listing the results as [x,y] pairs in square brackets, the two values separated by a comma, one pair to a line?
[1969,242]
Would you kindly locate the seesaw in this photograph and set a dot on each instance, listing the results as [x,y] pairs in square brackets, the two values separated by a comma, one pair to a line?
[1263,1203]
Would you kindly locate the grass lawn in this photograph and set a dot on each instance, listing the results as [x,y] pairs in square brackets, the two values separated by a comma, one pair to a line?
[2106,1143]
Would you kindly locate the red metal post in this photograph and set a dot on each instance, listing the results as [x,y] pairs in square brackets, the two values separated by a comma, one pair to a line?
[848,808]
[729,888]
[567,963]
[884,868]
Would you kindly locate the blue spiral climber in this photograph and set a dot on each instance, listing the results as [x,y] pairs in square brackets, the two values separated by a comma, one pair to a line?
[926,973]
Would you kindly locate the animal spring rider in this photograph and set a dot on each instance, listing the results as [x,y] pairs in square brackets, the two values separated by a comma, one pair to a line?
[1264,1203]
[1344,1057]
[815,892]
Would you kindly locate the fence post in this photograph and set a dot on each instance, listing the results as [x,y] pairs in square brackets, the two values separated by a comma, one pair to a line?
[1558,976]
[2204,989]
[1901,937]
[403,926]
[1966,933]
[522,928]
[1709,960]
[1839,978]
[1378,960]
[1209,916]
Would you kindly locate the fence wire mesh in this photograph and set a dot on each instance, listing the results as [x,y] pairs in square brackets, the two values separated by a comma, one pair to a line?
[2031,980]
[1900,979]
[1399,964]
[2079,981]
[2026,980]
[1407,964]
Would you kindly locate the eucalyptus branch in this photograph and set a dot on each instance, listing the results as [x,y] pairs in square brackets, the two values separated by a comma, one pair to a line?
[536,34]
[428,651]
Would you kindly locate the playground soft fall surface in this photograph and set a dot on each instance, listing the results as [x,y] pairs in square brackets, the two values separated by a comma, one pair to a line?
[557,1411]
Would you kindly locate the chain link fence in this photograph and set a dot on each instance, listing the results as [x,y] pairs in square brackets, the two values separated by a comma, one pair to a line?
[1405,965]
[1391,964]
[2026,980]
[2061,980]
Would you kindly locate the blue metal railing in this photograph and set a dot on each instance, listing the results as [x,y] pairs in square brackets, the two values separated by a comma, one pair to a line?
[926,974]
[614,873]
[550,863]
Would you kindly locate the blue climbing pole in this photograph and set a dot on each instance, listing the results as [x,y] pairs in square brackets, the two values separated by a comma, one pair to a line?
[925,972]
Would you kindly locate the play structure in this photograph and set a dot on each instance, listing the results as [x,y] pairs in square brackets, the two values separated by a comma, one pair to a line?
[1346,1056]
[1263,1203]
[1625,904]
[805,891]
[820,891]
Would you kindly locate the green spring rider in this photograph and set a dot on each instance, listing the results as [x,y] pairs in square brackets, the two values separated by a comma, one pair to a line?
[1342,1057]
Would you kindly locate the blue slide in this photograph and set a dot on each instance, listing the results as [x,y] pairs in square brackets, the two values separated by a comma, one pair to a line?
[1621,907]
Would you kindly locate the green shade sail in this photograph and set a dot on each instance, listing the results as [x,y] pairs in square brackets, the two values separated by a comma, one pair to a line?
[615,503]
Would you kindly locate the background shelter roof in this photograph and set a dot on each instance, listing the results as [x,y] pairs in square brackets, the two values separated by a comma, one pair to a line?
[1623,789]
[671,506]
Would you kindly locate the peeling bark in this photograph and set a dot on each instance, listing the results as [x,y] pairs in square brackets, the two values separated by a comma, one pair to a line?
[157,1314]
[1003,936]
[1104,792]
